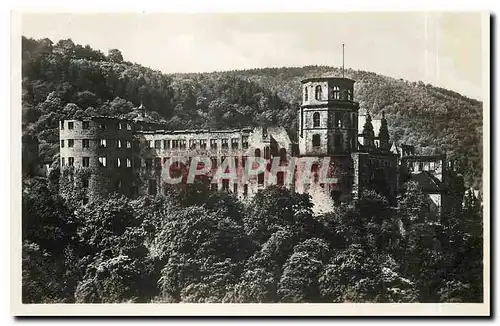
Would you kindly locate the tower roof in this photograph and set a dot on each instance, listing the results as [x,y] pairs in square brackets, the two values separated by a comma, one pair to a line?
[376,123]
[329,78]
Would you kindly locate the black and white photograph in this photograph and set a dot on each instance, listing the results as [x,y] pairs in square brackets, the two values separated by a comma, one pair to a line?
[326,159]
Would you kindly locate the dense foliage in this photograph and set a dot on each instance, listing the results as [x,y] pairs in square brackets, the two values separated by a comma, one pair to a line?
[271,249]
[201,246]
[66,80]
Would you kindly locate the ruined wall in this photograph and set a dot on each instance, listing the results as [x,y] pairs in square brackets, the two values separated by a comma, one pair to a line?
[102,149]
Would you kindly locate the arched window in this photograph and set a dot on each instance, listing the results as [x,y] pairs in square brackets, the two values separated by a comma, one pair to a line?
[349,94]
[316,140]
[316,119]
[257,152]
[267,153]
[280,178]
[336,93]
[306,94]
[282,155]
[318,93]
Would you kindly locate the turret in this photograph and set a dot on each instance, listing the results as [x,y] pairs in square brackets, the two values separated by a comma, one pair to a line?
[383,135]
[368,134]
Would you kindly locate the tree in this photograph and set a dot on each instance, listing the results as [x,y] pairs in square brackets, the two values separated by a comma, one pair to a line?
[299,281]
[351,276]
[275,208]
[262,271]
[200,246]
[49,235]
[113,259]
[115,55]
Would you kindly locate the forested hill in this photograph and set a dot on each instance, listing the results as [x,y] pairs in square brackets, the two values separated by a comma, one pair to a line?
[64,80]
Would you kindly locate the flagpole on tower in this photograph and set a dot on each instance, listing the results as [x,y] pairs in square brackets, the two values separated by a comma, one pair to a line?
[343,45]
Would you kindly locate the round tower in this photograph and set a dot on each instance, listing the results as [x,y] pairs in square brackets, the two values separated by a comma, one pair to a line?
[96,155]
[328,117]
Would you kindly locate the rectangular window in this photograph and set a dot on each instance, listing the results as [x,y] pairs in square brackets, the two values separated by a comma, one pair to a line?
[62,162]
[149,144]
[214,162]
[119,126]
[182,144]
[175,143]
[225,144]
[158,162]
[71,142]
[245,190]
[243,161]
[62,143]
[118,162]
[129,163]
[213,143]
[129,126]
[85,162]
[71,125]
[192,144]
[62,125]
[234,143]
[102,126]
[85,125]
[337,140]
[244,141]
[158,144]
[225,184]
[129,144]
[119,143]
[203,143]
[71,161]
[235,188]
[85,182]
[166,144]
[102,143]
[85,143]
[102,161]
[149,163]
[152,187]
[260,178]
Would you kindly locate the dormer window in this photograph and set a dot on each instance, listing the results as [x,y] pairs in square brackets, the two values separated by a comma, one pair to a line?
[318,93]
[336,93]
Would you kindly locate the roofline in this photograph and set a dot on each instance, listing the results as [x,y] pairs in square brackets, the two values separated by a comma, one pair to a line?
[194,131]
[436,156]
[327,78]
[111,118]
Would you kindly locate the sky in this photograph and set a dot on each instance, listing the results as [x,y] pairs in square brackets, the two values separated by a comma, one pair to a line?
[443,49]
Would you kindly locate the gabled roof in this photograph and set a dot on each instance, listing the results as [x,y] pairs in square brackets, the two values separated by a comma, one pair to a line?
[427,181]
[395,148]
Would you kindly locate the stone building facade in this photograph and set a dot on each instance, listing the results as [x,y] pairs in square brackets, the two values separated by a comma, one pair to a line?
[130,156]
[436,176]
[330,125]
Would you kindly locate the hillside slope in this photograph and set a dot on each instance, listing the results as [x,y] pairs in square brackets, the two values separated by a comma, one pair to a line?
[66,80]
